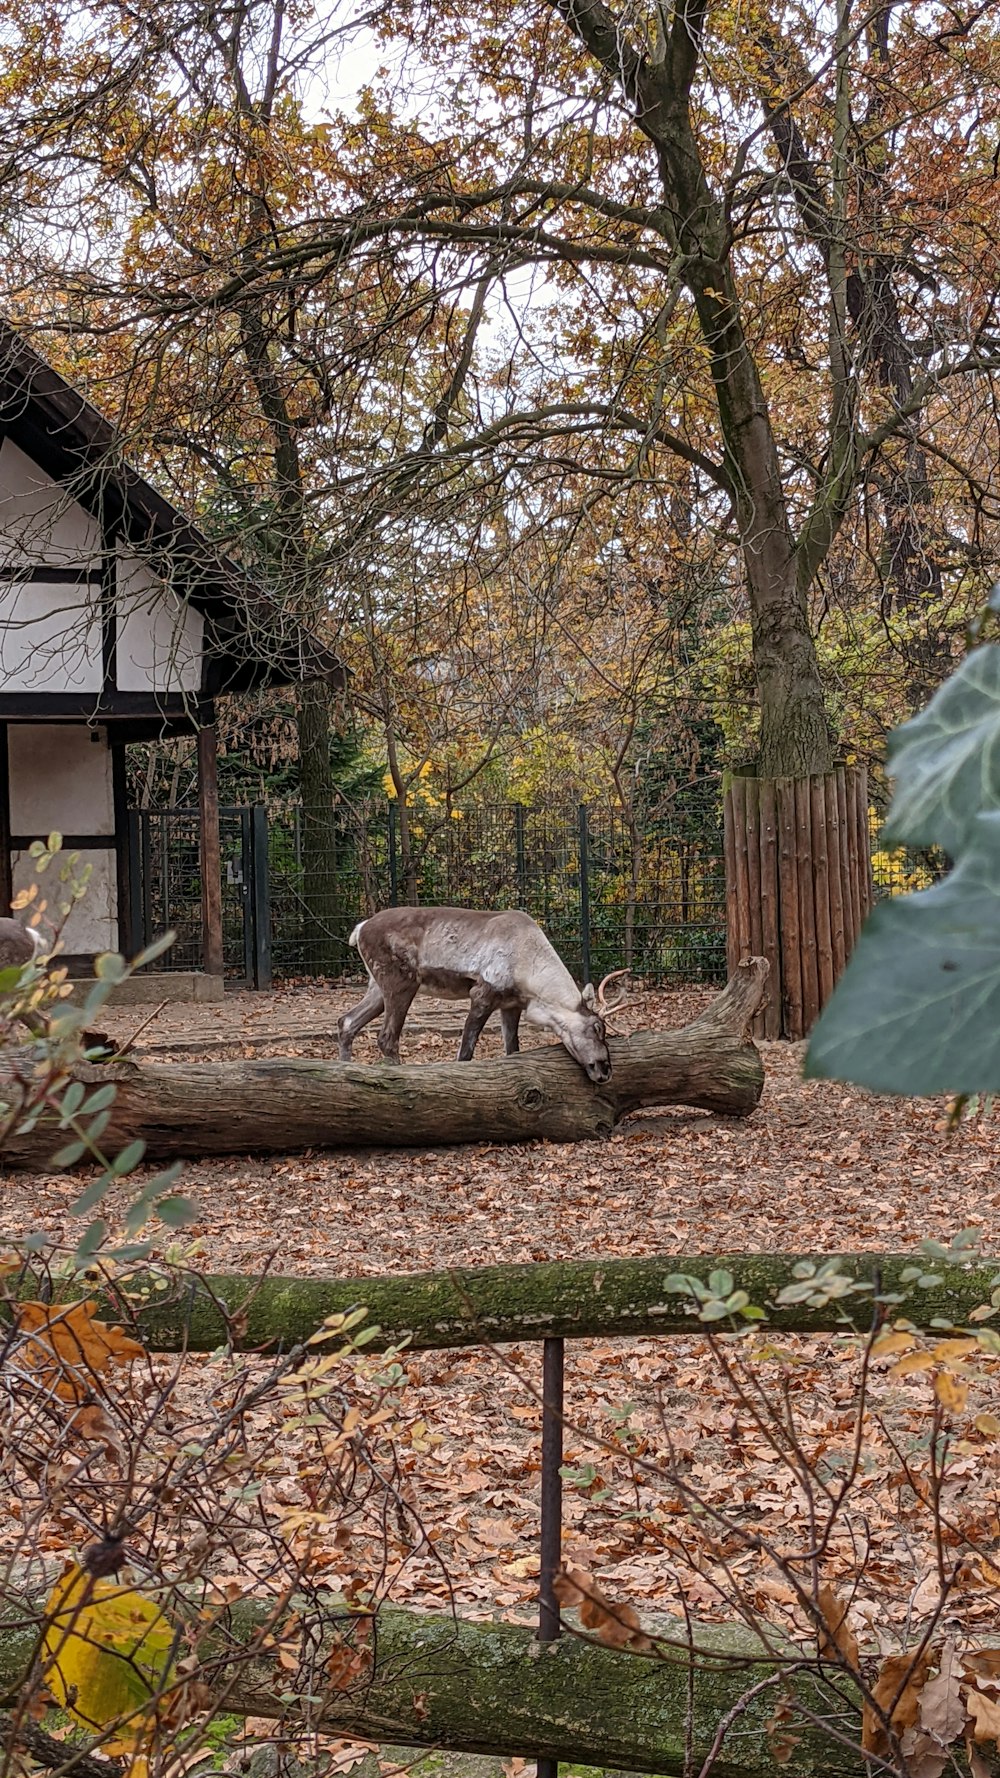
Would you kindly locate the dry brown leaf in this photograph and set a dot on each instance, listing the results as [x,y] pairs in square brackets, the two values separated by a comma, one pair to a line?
[571,1586]
[985,1715]
[942,1712]
[924,1754]
[66,1346]
[979,1767]
[901,1679]
[840,1636]
[346,1665]
[983,1662]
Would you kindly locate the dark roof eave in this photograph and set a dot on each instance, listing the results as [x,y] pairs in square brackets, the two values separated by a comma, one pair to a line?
[288,654]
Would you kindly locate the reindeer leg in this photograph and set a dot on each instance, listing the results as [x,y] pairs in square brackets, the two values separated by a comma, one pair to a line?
[510,1018]
[482,1002]
[398,1002]
[355,1021]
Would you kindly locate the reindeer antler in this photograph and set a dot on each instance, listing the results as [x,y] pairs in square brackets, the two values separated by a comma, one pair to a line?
[612,1005]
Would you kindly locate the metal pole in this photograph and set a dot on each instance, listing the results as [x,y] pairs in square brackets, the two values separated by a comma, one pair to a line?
[138,936]
[553,1353]
[584,895]
[260,893]
[246,897]
[521,867]
[393,868]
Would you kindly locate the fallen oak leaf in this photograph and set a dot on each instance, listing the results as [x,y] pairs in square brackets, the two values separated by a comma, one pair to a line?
[984,1713]
[895,1696]
[841,1638]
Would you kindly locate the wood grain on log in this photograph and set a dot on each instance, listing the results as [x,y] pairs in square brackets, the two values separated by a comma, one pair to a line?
[280,1106]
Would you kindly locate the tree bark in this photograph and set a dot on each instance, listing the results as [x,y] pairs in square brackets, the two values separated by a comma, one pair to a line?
[497,1305]
[436,1681]
[200,1108]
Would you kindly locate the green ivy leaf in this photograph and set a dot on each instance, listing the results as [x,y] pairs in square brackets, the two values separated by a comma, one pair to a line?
[918,1008]
[946,761]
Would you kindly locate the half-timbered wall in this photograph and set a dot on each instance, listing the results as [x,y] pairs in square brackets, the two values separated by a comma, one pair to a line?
[159,636]
[60,778]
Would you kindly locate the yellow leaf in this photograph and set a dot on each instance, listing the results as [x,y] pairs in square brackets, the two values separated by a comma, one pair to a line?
[988,1425]
[951,1392]
[948,1349]
[888,1343]
[917,1361]
[105,1652]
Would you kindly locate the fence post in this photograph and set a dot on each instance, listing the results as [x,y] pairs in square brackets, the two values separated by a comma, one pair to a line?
[260,897]
[520,867]
[584,856]
[137,935]
[393,866]
[246,897]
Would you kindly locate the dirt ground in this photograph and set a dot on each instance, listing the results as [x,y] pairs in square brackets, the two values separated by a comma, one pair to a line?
[819,1167]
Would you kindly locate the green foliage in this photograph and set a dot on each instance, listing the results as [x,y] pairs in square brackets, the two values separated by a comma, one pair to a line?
[918,1008]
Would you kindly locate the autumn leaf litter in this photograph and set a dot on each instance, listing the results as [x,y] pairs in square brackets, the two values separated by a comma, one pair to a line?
[820,1167]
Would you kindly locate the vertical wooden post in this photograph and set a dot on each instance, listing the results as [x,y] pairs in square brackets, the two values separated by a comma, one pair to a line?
[838,941]
[770,905]
[211,855]
[791,955]
[821,888]
[807,906]
[6,866]
[852,909]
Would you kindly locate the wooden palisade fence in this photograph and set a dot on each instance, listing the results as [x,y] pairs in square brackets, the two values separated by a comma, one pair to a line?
[500,1688]
[798,886]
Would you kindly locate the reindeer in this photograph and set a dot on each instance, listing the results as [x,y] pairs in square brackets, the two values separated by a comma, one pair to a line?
[500,961]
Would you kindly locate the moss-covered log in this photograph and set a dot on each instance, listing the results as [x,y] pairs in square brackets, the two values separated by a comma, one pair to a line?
[494,1304]
[280,1106]
[492,1688]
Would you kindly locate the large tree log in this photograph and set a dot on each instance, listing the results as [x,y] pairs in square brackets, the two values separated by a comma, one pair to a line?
[572,1299]
[195,1109]
[492,1688]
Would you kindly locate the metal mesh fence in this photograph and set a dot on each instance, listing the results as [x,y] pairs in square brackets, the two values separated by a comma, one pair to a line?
[609,892]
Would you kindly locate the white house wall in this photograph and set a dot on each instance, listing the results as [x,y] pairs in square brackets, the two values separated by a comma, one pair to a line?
[60,779]
[39,520]
[50,637]
[160,637]
[92,925]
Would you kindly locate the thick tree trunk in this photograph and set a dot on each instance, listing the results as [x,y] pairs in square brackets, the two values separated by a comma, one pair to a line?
[492,1688]
[280,1106]
[552,1299]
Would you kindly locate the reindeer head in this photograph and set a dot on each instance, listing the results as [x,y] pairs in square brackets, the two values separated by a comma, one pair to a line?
[586,1036]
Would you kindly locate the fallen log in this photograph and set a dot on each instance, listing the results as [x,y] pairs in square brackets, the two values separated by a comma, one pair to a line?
[279,1106]
[436,1681]
[566,1299]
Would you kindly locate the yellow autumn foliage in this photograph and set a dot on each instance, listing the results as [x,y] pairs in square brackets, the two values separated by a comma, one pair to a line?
[106,1654]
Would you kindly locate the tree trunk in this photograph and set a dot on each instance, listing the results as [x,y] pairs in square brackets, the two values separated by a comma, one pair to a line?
[550,1299]
[435,1681]
[280,1106]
